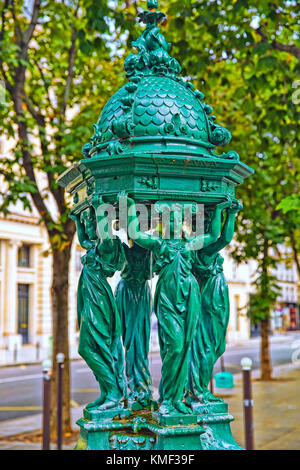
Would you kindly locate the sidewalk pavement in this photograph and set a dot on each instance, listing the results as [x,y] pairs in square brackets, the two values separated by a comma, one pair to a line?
[286,337]
[28,424]
[28,354]
[276,413]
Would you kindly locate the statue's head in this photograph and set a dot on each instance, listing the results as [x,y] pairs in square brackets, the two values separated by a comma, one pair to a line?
[176,221]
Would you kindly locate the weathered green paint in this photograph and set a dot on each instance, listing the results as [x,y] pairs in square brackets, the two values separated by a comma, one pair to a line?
[138,433]
[155,141]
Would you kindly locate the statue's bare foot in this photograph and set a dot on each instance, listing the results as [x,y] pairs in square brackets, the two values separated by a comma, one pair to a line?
[109,404]
[95,404]
[190,400]
[166,408]
[182,408]
[144,399]
[208,397]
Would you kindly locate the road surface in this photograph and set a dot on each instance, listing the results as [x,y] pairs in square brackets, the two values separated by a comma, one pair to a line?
[21,387]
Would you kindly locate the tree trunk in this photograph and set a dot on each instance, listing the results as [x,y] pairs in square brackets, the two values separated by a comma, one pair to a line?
[60,306]
[265,360]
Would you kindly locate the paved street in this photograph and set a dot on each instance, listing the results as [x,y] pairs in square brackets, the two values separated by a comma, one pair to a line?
[21,387]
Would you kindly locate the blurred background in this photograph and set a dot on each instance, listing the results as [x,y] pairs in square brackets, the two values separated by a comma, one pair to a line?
[59,64]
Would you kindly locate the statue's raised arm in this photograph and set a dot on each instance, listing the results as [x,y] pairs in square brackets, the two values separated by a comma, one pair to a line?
[227,230]
[80,221]
[133,226]
[211,237]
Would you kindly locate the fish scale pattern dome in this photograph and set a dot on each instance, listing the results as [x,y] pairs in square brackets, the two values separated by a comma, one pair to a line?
[161,106]
[155,102]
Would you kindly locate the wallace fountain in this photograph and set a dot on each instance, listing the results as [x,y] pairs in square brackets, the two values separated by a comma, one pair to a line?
[153,148]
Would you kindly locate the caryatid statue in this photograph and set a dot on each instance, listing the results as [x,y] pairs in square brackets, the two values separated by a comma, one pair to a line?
[97,313]
[133,298]
[210,340]
[177,301]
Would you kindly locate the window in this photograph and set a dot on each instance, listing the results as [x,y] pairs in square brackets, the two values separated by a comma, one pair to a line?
[23,311]
[24,256]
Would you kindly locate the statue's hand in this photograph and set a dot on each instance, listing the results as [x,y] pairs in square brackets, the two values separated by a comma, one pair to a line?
[235,208]
[73,216]
[123,194]
[97,200]
[225,204]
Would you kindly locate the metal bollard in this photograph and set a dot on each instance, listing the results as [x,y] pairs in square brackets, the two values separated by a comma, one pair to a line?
[246,364]
[60,358]
[47,365]
[37,351]
[15,352]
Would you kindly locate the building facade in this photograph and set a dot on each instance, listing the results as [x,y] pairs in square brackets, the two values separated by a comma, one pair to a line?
[25,282]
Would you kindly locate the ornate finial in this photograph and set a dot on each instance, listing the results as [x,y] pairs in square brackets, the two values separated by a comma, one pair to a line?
[153,49]
[152,4]
[152,17]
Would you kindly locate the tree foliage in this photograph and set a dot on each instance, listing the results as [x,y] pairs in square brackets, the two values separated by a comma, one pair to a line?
[58,67]
[60,61]
[245,56]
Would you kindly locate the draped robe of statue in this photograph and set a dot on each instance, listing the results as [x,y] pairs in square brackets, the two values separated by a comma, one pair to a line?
[98,316]
[177,306]
[133,298]
[210,339]
[177,300]
[209,342]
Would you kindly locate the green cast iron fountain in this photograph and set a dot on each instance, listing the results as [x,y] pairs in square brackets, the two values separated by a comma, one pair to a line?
[154,144]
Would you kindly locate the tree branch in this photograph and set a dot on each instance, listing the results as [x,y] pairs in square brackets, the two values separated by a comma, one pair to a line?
[295,251]
[18,96]
[44,82]
[290,48]
[57,193]
[31,27]
[29,170]
[72,53]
